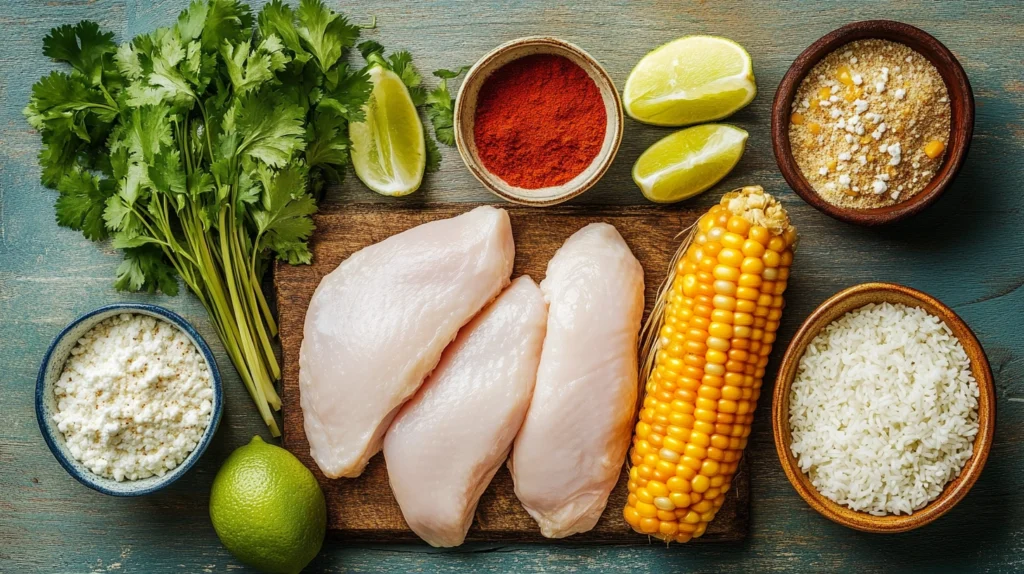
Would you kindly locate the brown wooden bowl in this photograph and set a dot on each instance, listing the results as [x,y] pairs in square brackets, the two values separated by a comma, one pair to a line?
[961,99]
[836,306]
[465,112]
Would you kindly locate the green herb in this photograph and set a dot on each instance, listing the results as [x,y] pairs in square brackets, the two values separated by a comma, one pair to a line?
[200,150]
[441,106]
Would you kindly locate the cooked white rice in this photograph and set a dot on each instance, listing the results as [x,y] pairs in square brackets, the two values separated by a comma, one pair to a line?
[883,409]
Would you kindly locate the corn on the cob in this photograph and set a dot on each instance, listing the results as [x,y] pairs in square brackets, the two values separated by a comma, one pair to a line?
[707,345]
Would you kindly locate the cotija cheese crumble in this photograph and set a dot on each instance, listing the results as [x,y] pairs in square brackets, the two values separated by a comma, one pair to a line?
[870,124]
[134,398]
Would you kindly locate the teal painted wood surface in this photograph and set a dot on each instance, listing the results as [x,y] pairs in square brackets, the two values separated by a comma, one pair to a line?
[968,250]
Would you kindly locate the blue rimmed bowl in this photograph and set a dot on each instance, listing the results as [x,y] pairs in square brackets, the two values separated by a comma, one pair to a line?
[46,401]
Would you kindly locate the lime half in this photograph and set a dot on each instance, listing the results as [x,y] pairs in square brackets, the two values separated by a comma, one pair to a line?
[388,150]
[685,163]
[691,80]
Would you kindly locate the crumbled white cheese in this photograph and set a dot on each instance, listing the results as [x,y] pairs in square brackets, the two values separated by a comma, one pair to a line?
[900,94]
[895,154]
[844,180]
[860,105]
[878,186]
[823,170]
[844,156]
[134,398]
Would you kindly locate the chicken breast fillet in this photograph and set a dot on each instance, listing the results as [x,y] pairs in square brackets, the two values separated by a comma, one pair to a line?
[449,440]
[376,326]
[568,455]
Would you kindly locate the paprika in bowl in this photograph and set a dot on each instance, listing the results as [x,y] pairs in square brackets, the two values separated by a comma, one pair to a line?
[538,121]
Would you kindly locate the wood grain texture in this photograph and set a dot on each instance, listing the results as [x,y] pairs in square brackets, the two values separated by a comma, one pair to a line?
[967,250]
[364,508]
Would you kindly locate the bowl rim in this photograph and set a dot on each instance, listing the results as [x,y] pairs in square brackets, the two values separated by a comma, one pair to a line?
[47,428]
[477,168]
[961,132]
[953,491]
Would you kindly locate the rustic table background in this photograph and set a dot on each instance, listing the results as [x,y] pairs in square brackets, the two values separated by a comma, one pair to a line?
[968,250]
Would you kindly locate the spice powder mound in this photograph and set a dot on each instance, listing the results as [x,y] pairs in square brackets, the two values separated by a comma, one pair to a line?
[870,124]
[540,121]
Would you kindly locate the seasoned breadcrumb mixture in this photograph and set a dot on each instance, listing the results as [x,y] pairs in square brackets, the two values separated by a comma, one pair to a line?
[134,399]
[870,124]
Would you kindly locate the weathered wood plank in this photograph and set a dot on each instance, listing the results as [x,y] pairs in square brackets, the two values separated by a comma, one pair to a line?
[967,250]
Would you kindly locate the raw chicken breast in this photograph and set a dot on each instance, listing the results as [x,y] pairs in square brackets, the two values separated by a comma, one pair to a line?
[448,441]
[572,446]
[377,325]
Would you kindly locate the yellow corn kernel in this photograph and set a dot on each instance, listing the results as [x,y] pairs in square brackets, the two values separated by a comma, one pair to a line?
[824,93]
[797,118]
[725,301]
[831,164]
[814,128]
[844,75]
[934,149]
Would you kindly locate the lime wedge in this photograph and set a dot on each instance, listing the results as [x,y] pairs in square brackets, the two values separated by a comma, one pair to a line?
[691,80]
[683,164]
[388,150]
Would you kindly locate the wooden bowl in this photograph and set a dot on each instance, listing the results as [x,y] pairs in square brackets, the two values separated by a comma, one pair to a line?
[836,306]
[465,112]
[961,99]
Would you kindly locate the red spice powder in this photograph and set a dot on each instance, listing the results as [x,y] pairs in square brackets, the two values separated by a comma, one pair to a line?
[540,121]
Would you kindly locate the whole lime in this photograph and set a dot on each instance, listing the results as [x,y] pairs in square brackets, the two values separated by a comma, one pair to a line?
[268,509]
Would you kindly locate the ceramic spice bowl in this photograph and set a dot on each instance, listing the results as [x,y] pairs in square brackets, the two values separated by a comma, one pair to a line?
[834,308]
[465,112]
[46,402]
[961,99]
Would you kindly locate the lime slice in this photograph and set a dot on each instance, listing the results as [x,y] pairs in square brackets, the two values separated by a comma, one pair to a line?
[388,151]
[683,164]
[691,80]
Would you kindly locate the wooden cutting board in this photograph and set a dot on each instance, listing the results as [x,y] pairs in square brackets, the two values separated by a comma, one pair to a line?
[364,508]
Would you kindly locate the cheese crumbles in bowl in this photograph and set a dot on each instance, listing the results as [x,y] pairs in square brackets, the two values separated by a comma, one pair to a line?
[128,397]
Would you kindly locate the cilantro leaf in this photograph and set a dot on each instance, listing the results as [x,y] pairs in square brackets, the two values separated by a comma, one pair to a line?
[350,95]
[83,46]
[451,74]
[326,34]
[192,20]
[250,70]
[146,269]
[226,20]
[441,106]
[401,64]
[367,47]
[284,224]
[278,19]
[433,162]
[327,139]
[81,203]
[271,130]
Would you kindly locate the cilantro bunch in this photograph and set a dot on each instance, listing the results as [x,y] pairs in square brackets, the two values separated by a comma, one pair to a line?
[200,150]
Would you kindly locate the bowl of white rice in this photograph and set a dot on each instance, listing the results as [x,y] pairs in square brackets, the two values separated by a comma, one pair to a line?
[884,408]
